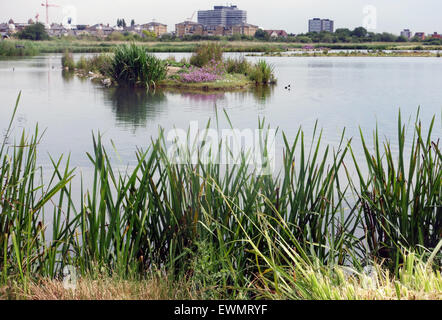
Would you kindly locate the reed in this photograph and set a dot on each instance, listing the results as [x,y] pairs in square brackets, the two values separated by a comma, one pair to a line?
[227,227]
[132,66]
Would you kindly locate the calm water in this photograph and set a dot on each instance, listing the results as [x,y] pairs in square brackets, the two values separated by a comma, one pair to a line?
[338,92]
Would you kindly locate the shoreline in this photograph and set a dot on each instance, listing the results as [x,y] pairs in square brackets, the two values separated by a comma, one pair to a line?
[32,48]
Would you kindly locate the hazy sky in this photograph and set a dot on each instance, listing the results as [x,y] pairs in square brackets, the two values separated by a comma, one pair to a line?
[291,15]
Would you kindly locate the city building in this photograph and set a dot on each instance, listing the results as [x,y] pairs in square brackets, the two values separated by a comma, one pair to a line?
[222,16]
[100,30]
[193,28]
[188,28]
[277,33]
[420,35]
[436,36]
[406,33]
[158,28]
[319,25]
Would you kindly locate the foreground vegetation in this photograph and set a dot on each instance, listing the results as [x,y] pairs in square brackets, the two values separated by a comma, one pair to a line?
[312,231]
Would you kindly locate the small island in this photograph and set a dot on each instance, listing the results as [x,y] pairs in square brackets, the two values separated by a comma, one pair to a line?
[206,70]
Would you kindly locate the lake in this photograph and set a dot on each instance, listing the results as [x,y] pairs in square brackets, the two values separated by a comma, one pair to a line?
[338,92]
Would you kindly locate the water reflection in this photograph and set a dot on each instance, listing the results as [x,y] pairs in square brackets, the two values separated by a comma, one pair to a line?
[134,107]
[67,76]
[263,94]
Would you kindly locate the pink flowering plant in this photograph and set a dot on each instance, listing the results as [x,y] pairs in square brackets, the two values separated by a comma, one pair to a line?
[213,71]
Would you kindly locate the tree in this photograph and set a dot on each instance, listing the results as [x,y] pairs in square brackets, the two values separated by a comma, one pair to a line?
[402,39]
[359,32]
[132,23]
[35,32]
[262,35]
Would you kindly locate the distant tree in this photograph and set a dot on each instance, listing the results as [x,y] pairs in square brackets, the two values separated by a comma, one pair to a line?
[388,37]
[359,32]
[402,39]
[343,31]
[121,23]
[132,23]
[149,34]
[262,35]
[303,39]
[35,32]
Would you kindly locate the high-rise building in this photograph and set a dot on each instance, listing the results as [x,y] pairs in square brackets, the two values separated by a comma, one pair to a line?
[222,16]
[406,33]
[318,25]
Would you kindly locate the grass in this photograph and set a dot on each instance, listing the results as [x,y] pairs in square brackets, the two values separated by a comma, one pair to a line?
[374,53]
[228,83]
[99,46]
[230,229]
[18,49]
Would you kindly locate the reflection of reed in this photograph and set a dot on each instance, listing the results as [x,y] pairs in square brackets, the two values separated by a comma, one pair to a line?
[263,93]
[198,97]
[67,75]
[134,106]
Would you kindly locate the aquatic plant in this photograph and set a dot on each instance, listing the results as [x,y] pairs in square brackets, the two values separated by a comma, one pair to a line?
[67,61]
[262,73]
[133,66]
[238,65]
[249,229]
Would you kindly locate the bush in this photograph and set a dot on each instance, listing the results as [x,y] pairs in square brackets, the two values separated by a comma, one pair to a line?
[133,66]
[205,53]
[238,65]
[262,73]
[67,61]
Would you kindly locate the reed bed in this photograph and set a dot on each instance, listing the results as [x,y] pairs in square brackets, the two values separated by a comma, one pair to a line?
[228,228]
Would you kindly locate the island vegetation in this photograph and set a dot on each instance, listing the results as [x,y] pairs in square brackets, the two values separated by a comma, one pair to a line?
[206,69]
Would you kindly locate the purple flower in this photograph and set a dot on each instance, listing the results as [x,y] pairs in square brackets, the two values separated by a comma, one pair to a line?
[212,72]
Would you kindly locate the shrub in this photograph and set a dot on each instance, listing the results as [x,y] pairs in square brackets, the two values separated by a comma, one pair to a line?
[238,65]
[262,73]
[100,63]
[82,64]
[205,53]
[67,60]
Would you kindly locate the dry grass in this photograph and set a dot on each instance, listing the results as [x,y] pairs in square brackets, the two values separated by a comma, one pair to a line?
[101,289]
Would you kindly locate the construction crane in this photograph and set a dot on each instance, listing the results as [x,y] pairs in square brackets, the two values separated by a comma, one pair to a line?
[48,5]
[191,18]
[36,17]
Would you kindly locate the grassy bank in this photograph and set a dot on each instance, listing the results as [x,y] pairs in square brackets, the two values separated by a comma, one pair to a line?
[83,46]
[242,234]
[326,53]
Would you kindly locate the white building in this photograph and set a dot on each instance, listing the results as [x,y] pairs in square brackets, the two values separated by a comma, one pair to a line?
[406,33]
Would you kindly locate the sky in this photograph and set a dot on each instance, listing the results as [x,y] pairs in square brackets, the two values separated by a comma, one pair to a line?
[290,15]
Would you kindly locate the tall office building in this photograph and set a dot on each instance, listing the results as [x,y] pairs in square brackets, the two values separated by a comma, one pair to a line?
[318,25]
[222,16]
